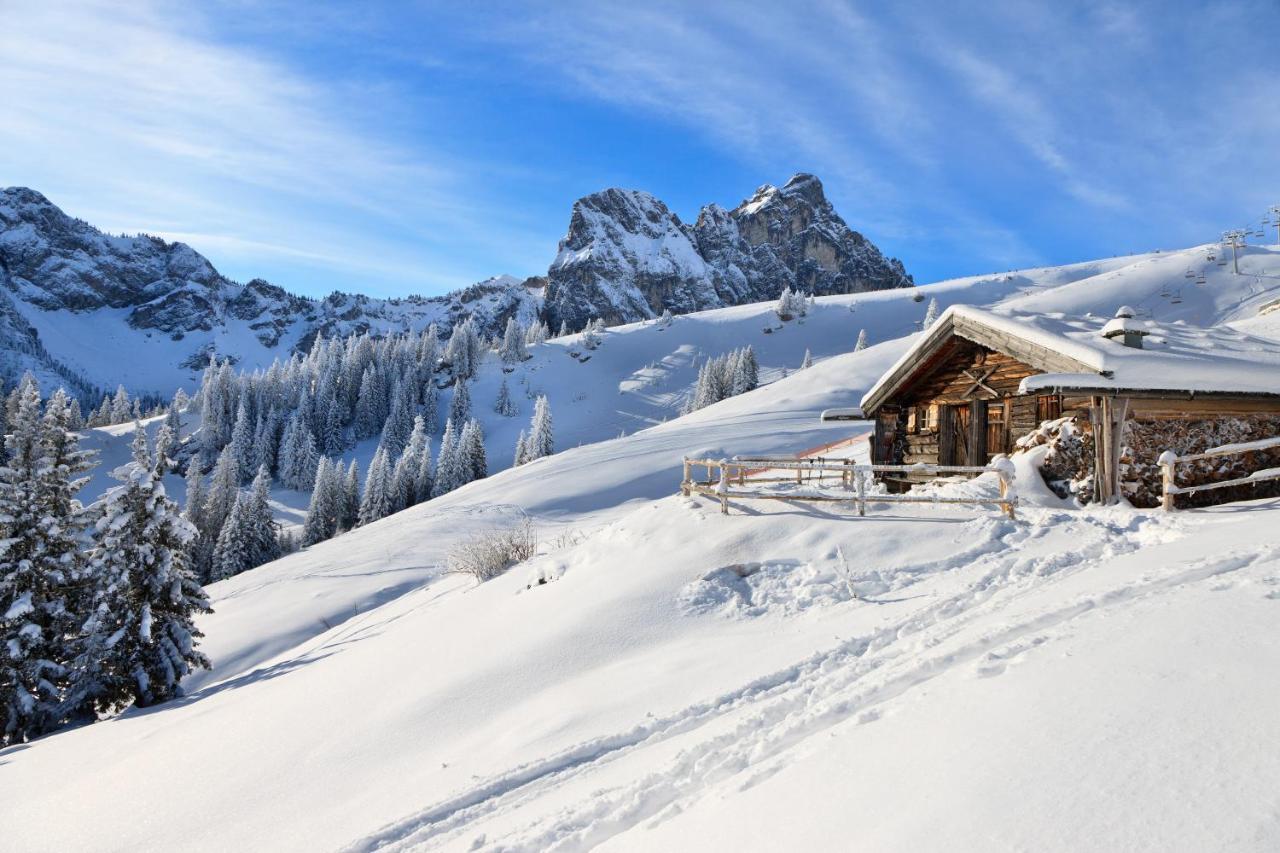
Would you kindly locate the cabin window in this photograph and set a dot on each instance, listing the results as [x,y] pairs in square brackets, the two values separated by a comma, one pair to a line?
[1048,407]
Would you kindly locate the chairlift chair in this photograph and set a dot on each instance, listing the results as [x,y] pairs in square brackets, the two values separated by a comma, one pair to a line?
[1200,279]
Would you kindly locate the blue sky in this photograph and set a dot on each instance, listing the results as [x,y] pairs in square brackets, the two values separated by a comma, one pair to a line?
[416,147]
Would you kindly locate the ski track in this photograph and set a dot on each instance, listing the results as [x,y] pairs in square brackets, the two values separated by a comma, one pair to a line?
[780,710]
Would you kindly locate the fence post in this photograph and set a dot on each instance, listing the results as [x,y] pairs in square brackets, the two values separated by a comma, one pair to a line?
[684,482]
[1006,472]
[1167,461]
[722,488]
[862,498]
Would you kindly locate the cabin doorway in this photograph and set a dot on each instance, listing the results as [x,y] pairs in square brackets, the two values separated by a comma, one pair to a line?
[954,425]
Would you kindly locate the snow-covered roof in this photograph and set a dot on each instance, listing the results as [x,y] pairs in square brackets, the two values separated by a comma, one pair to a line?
[1073,354]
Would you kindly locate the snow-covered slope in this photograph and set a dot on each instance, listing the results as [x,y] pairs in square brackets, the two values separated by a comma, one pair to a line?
[781,678]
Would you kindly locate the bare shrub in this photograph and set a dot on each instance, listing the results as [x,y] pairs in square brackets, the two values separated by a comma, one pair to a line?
[487,555]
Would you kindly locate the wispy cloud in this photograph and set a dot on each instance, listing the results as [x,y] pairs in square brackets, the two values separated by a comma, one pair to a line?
[186,134]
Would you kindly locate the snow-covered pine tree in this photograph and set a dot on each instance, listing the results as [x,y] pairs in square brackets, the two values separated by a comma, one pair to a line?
[785,308]
[448,465]
[200,549]
[460,405]
[666,319]
[224,488]
[541,442]
[41,524]
[750,368]
[231,554]
[521,451]
[862,341]
[512,350]
[931,314]
[241,442]
[121,406]
[807,362]
[166,445]
[395,433]
[376,502]
[475,465]
[537,333]
[75,419]
[141,636]
[431,406]
[263,531]
[564,329]
[370,405]
[405,476]
[326,503]
[349,510]
[504,405]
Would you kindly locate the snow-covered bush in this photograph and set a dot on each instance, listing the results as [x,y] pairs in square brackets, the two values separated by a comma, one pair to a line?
[487,555]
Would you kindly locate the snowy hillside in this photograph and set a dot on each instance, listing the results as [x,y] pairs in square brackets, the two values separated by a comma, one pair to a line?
[664,677]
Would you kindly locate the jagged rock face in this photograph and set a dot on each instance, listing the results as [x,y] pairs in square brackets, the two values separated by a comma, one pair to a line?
[627,257]
[52,265]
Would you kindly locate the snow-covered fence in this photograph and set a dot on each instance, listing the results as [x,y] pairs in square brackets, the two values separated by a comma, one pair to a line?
[732,478]
[1169,462]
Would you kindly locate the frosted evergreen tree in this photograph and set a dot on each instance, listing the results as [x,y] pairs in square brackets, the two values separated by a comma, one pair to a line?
[931,314]
[405,485]
[424,477]
[807,362]
[395,433]
[464,350]
[41,524]
[370,405]
[166,446]
[449,472]
[474,464]
[141,635]
[537,333]
[173,418]
[521,451]
[512,349]
[376,502]
[75,419]
[121,406]
[224,489]
[591,334]
[541,442]
[862,341]
[200,549]
[326,503]
[263,531]
[241,442]
[298,456]
[460,405]
[786,308]
[666,319]
[349,512]
[431,406]
[504,405]
[266,440]
[231,553]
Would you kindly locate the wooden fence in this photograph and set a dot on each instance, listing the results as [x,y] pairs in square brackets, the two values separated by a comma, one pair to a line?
[1169,462]
[732,478]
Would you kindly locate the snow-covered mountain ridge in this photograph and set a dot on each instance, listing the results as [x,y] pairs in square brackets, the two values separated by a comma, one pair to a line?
[85,308]
[628,257]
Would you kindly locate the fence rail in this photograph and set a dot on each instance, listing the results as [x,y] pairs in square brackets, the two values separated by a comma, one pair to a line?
[737,474]
[1169,462]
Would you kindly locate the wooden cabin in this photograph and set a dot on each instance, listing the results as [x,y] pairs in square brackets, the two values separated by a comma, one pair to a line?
[976,381]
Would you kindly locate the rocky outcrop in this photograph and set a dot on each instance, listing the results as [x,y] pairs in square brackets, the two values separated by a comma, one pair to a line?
[627,257]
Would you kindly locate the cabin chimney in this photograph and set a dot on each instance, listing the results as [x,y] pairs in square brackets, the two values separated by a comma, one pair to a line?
[1124,327]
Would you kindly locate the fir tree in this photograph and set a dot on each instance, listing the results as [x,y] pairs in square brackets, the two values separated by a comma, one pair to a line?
[326,504]
[475,465]
[231,552]
[460,405]
[541,441]
[224,489]
[241,442]
[376,502]
[349,514]
[200,549]
[504,405]
[141,636]
[931,314]
[41,524]
[521,452]
[263,531]
[405,477]
[121,408]
[165,447]
[449,472]
[862,341]
[807,362]
[564,329]
[395,433]
[512,350]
